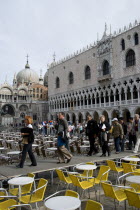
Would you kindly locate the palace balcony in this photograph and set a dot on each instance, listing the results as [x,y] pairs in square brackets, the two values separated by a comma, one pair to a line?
[104,78]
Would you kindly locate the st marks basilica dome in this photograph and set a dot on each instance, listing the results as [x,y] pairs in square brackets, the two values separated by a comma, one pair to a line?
[27,75]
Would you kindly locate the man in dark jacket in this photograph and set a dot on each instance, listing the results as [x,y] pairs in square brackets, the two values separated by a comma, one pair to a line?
[92,132]
[124,126]
[104,128]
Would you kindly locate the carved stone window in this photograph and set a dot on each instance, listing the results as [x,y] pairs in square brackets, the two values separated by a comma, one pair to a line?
[123,44]
[136,39]
[57,82]
[87,73]
[130,58]
[105,67]
[71,78]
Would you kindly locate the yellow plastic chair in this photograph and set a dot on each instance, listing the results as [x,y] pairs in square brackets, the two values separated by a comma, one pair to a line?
[127,167]
[8,203]
[11,203]
[113,167]
[67,193]
[62,178]
[114,191]
[133,198]
[37,195]
[84,185]
[135,186]
[91,205]
[24,189]
[71,193]
[3,192]
[102,176]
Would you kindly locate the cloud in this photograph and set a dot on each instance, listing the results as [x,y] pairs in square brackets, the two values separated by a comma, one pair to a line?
[41,27]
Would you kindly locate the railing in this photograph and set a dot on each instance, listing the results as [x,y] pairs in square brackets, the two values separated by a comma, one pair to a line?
[107,104]
[135,101]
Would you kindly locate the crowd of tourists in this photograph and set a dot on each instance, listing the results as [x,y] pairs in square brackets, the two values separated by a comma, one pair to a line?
[98,135]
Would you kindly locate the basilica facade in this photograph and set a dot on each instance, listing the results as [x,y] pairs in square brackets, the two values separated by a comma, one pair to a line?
[103,78]
[26,96]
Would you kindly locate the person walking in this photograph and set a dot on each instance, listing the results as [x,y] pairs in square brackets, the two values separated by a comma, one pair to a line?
[117,133]
[63,126]
[124,126]
[136,130]
[28,138]
[62,140]
[104,128]
[131,133]
[92,132]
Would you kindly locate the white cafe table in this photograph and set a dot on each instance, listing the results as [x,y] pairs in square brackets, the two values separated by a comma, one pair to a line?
[131,159]
[35,145]
[52,149]
[62,203]
[48,142]
[9,141]
[3,149]
[86,142]
[84,146]
[133,179]
[86,167]
[14,153]
[20,181]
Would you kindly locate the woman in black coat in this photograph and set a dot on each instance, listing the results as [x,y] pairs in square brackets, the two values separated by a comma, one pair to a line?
[104,128]
[28,138]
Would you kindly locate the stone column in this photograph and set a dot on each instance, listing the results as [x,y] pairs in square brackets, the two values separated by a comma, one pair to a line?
[114,99]
[80,102]
[109,99]
[76,104]
[104,101]
[99,101]
[120,101]
[87,103]
[95,101]
[132,96]
[125,97]
[59,106]
[138,95]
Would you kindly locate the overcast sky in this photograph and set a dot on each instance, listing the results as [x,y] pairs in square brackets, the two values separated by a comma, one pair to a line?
[42,27]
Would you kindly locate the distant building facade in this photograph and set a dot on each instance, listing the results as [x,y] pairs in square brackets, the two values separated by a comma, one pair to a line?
[103,78]
[27,96]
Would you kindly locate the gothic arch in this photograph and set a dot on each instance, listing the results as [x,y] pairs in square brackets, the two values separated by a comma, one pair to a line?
[71,78]
[105,67]
[126,115]
[96,116]
[67,117]
[73,118]
[130,58]
[105,113]
[80,117]
[114,114]
[8,110]
[137,111]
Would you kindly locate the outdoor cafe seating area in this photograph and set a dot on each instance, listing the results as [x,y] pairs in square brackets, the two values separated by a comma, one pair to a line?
[109,183]
[43,147]
[84,186]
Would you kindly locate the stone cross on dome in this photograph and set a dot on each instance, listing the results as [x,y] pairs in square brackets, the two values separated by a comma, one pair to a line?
[27,64]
